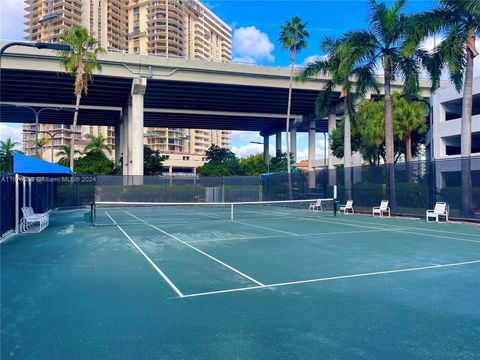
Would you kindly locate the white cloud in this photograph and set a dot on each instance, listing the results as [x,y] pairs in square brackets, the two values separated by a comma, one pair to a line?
[310,59]
[247,150]
[12,19]
[13,131]
[246,136]
[319,151]
[251,45]
[251,149]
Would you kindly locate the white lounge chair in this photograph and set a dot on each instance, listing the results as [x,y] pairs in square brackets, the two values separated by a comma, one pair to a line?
[441,210]
[316,206]
[347,208]
[32,212]
[382,210]
[27,224]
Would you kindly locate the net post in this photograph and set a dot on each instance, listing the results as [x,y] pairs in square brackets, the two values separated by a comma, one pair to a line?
[17,204]
[231,211]
[92,213]
[334,200]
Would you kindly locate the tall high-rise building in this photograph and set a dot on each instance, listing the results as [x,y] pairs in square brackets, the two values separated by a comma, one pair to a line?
[106,20]
[182,28]
[179,28]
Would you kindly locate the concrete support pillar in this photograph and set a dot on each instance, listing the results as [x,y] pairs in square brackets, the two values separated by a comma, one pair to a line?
[293,144]
[135,126]
[311,153]
[278,143]
[266,146]
[124,148]
[332,125]
[118,142]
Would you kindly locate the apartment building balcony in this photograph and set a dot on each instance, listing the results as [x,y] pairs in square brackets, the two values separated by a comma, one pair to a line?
[175,16]
[136,34]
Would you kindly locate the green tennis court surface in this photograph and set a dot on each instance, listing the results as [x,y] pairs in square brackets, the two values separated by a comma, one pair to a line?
[305,286]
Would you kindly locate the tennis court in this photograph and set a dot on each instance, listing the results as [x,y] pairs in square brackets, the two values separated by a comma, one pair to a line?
[196,282]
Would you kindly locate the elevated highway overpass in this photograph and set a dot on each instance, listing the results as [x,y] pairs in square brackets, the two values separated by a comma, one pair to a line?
[135,91]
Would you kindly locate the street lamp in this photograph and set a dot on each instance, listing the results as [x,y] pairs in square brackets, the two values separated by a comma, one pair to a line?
[38,45]
[53,134]
[268,156]
[37,114]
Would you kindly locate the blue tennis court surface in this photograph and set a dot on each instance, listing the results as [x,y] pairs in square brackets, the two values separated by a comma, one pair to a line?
[287,286]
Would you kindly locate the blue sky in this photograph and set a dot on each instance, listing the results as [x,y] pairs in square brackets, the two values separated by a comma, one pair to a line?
[255,27]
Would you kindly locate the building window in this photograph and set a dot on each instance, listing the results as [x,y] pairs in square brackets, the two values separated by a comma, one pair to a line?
[186,158]
[136,10]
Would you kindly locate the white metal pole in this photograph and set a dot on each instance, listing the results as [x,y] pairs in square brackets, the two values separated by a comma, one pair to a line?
[24,190]
[231,211]
[29,191]
[17,204]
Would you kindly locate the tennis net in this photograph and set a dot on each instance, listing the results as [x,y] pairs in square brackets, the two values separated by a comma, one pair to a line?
[131,213]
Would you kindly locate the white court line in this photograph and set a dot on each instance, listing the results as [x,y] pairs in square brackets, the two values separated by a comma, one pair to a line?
[165,277]
[436,266]
[398,228]
[198,250]
[417,228]
[265,227]
[286,236]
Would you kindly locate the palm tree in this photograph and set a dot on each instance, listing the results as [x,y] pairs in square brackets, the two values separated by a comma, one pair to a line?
[459,22]
[344,77]
[409,117]
[293,37]
[65,154]
[381,44]
[7,146]
[97,144]
[41,144]
[81,61]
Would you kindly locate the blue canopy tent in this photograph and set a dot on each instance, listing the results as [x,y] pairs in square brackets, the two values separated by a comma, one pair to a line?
[29,166]
[27,170]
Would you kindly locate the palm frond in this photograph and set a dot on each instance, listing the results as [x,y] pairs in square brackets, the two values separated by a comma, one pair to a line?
[319,66]
[323,100]
[452,51]
[421,25]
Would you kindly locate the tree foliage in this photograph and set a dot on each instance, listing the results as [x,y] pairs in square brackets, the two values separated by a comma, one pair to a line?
[94,162]
[253,165]
[80,61]
[220,162]
[381,43]
[459,22]
[7,148]
[97,144]
[64,153]
[152,161]
[368,129]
